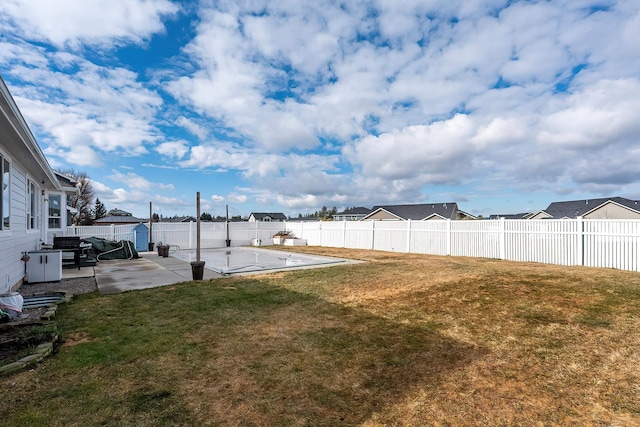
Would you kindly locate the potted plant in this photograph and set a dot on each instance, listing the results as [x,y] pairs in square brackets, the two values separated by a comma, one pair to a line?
[280,236]
[163,250]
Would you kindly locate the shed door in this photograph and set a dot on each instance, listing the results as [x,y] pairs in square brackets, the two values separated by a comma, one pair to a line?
[142,238]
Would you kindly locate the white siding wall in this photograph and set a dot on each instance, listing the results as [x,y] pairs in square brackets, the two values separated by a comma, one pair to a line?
[17,240]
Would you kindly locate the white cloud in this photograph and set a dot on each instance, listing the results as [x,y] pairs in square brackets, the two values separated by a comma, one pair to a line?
[136,200]
[228,156]
[119,198]
[602,114]
[217,199]
[281,130]
[87,110]
[135,181]
[81,155]
[171,204]
[199,131]
[236,198]
[437,153]
[173,149]
[19,50]
[73,133]
[308,35]
[304,201]
[502,130]
[89,21]
[319,103]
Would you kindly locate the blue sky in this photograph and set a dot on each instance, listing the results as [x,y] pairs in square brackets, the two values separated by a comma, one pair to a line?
[286,106]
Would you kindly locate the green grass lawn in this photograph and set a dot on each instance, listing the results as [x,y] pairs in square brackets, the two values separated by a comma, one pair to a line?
[398,340]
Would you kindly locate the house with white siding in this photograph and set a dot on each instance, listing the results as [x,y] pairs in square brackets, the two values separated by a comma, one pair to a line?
[352,214]
[33,200]
[267,217]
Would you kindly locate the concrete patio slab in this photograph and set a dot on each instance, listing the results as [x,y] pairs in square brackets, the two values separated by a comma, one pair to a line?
[75,273]
[151,270]
[148,271]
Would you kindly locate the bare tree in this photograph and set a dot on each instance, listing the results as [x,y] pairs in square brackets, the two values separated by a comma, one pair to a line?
[83,200]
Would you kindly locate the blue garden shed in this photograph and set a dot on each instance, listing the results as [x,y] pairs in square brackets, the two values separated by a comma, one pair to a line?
[141,232]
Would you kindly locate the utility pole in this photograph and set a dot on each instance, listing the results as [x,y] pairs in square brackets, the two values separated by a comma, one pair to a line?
[150,226]
[197,266]
[227,227]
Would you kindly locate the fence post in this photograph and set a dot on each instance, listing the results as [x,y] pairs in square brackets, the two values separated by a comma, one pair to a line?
[448,237]
[190,234]
[373,235]
[113,232]
[580,233]
[409,236]
[344,233]
[502,238]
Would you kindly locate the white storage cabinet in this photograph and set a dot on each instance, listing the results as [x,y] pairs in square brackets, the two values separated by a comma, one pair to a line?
[44,266]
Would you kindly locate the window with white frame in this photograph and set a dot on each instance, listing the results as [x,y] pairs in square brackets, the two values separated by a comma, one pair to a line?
[55,210]
[33,202]
[5,194]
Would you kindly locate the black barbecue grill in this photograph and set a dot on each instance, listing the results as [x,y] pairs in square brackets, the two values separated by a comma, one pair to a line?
[69,244]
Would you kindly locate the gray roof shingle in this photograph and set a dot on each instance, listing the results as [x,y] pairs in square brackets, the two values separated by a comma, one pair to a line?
[576,208]
[274,215]
[420,211]
[118,219]
[355,211]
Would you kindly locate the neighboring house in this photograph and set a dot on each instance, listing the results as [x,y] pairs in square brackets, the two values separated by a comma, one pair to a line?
[32,197]
[180,219]
[267,217]
[117,217]
[523,215]
[465,215]
[421,212]
[352,214]
[310,218]
[604,208]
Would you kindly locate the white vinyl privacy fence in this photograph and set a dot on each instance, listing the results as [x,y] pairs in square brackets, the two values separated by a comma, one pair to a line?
[108,232]
[183,235]
[214,234]
[593,243]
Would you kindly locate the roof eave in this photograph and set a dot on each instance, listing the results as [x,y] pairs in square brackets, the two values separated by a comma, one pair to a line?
[611,202]
[381,210]
[432,215]
[25,144]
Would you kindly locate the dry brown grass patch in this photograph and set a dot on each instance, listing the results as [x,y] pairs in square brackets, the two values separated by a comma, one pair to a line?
[406,340]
